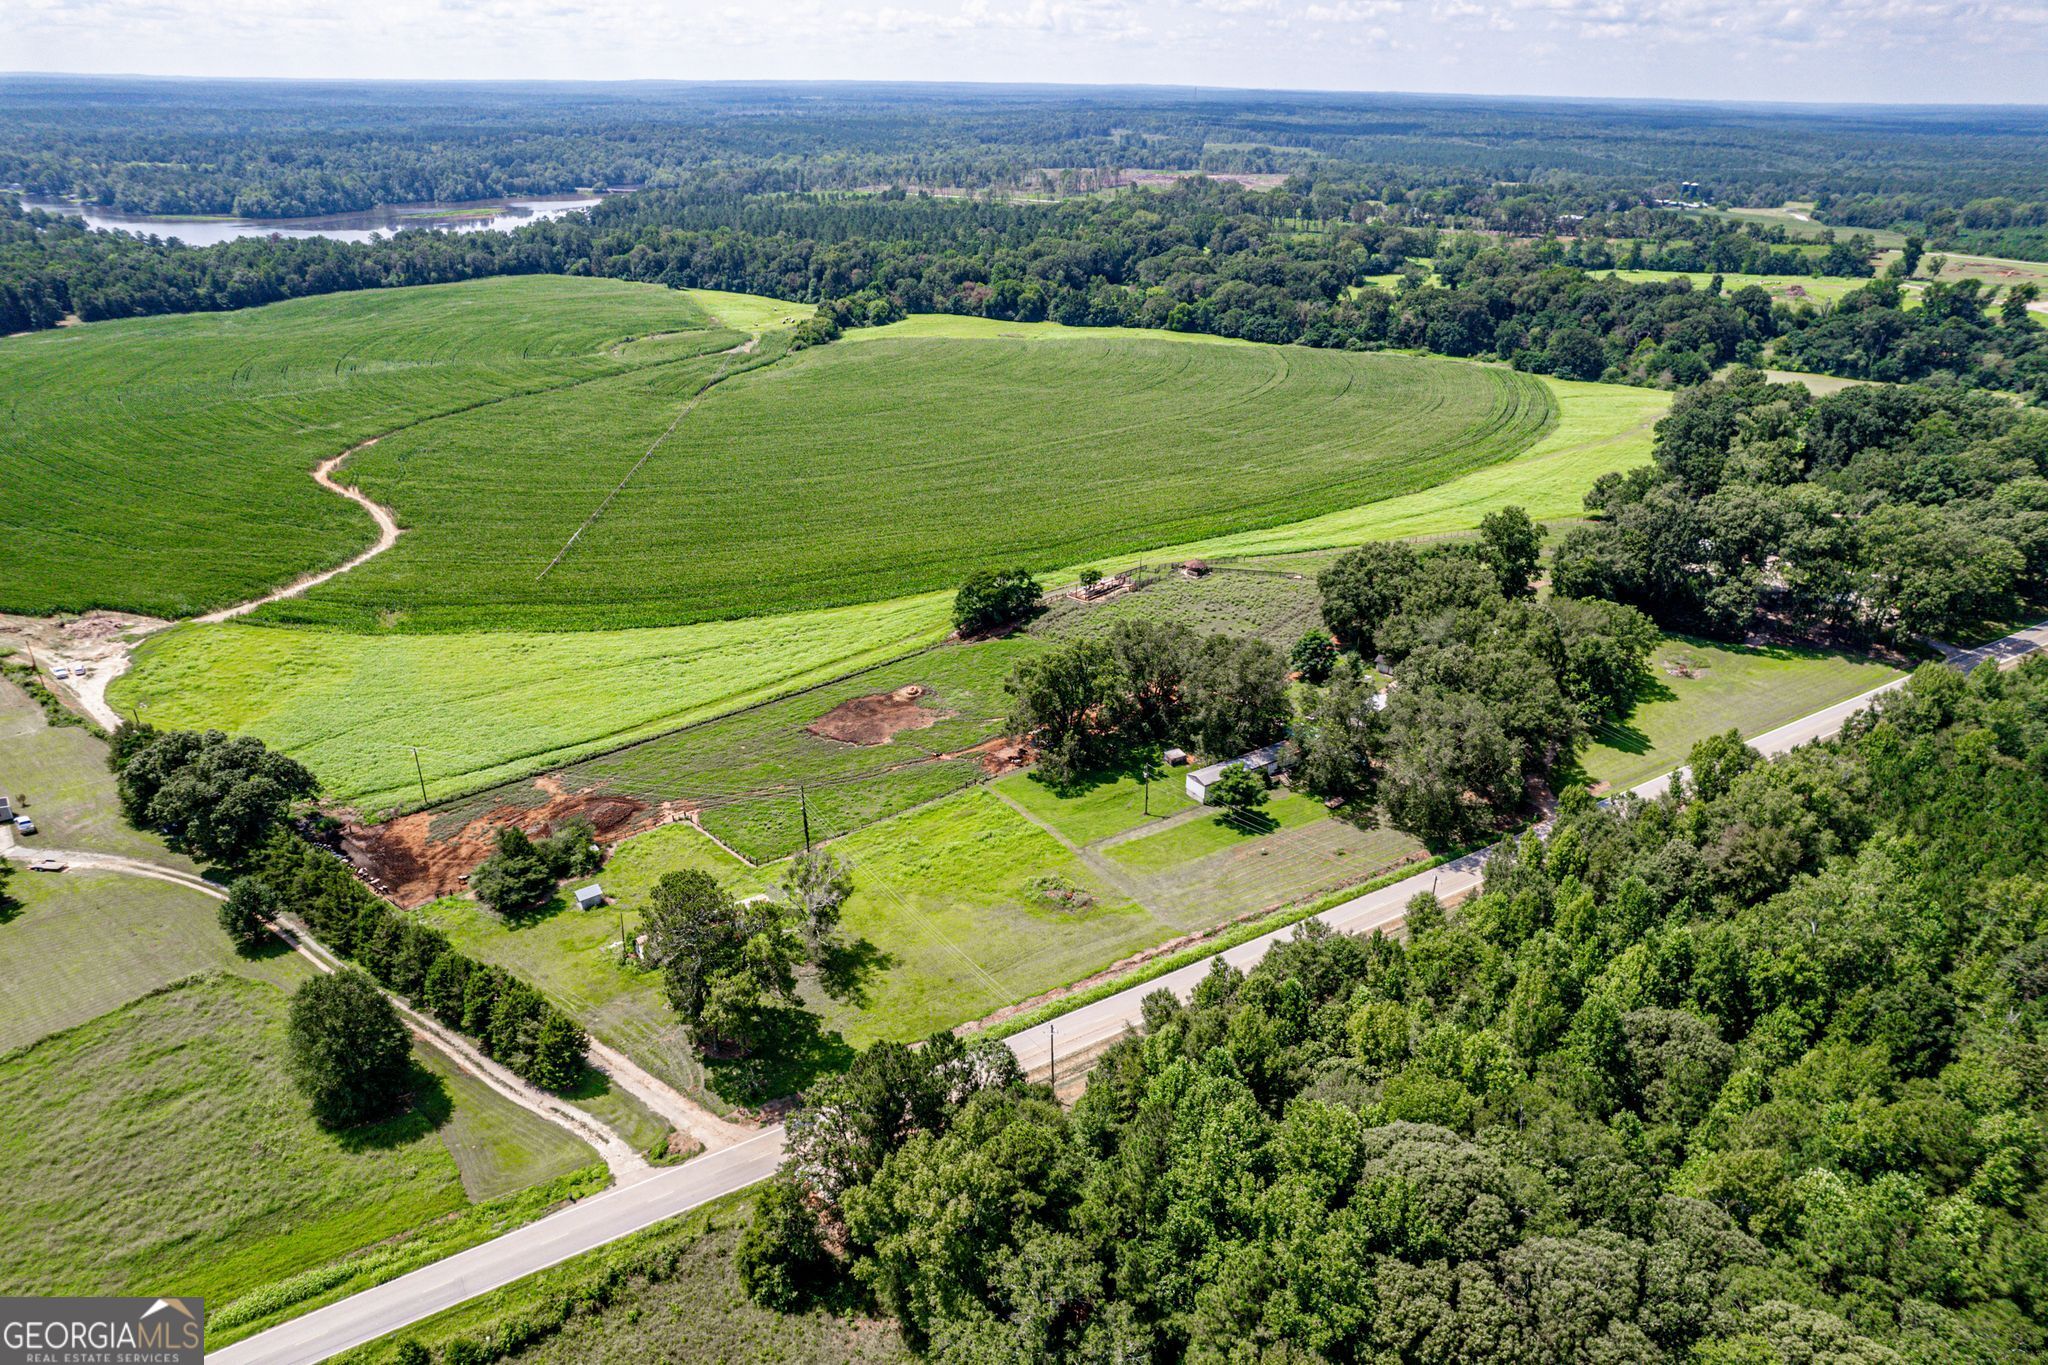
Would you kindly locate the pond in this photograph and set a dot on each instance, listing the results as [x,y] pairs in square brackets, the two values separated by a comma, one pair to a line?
[493,216]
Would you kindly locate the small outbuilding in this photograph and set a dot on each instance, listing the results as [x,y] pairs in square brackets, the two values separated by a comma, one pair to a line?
[1263,761]
[589,897]
[1174,758]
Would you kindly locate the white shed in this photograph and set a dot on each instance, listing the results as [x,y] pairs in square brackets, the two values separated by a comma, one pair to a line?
[589,897]
[1264,761]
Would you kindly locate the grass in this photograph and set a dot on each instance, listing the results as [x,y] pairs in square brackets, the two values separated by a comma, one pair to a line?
[1205,833]
[1105,806]
[573,955]
[1781,288]
[160,464]
[189,1165]
[1749,689]
[84,943]
[500,1148]
[487,707]
[946,446]
[58,774]
[676,1298]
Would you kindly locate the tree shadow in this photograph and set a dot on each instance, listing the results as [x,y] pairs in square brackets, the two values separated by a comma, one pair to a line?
[431,1106]
[796,1049]
[845,969]
[1250,823]
[269,948]
[540,912]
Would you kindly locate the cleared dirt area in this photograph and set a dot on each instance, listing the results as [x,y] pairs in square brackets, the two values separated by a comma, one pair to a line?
[412,861]
[878,718]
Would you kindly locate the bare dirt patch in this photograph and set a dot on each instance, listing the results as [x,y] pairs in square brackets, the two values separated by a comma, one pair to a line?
[412,862]
[878,718]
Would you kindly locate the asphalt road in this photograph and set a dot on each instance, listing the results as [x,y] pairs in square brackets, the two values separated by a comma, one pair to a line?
[616,1213]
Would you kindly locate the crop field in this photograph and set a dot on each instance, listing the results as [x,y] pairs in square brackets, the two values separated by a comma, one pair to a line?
[1601,427]
[1700,689]
[1781,288]
[890,467]
[161,465]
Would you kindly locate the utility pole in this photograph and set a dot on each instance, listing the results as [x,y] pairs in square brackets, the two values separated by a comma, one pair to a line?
[1052,1059]
[419,772]
[804,805]
[622,937]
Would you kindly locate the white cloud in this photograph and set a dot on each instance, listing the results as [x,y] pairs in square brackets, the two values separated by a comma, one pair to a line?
[1844,49]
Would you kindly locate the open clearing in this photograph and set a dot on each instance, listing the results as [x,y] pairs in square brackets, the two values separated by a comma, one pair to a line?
[1699,688]
[162,465]
[58,774]
[1781,288]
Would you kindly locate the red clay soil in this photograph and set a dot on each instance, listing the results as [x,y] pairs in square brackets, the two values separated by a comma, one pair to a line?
[412,864]
[877,719]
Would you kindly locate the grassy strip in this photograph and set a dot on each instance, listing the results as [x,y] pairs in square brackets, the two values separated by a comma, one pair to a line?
[310,1289]
[54,710]
[1208,947]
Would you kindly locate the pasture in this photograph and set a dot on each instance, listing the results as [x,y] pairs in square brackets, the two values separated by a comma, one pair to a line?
[862,472]
[161,465]
[1781,288]
[58,774]
[190,1165]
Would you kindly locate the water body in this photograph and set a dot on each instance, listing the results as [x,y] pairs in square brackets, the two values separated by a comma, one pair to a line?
[493,216]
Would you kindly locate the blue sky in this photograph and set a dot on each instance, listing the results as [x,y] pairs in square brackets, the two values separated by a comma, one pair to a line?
[1846,50]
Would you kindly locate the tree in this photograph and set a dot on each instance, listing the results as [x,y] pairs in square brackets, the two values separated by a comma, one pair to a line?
[993,598]
[346,1049]
[1512,546]
[1453,773]
[217,798]
[1236,695]
[2013,311]
[817,884]
[1926,574]
[560,1052]
[1313,656]
[1717,761]
[781,1258]
[243,913]
[1237,789]
[516,876]
[740,999]
[1065,701]
[1362,589]
[1343,737]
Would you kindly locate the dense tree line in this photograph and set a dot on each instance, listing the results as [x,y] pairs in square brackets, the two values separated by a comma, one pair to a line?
[212,796]
[1886,511]
[1752,1073]
[1955,332]
[267,149]
[512,1021]
[1491,691]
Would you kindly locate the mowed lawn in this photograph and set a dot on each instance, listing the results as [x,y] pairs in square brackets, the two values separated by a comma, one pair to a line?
[161,464]
[1699,688]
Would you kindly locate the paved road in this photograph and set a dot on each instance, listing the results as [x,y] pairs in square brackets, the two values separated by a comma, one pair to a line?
[581,1227]
[388,1307]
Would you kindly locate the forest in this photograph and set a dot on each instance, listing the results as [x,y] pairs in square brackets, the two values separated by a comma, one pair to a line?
[1752,1072]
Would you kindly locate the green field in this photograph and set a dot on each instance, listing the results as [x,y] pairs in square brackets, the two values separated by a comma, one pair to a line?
[58,774]
[489,706]
[161,465]
[1698,689]
[84,943]
[1781,288]
[159,1149]
[891,467]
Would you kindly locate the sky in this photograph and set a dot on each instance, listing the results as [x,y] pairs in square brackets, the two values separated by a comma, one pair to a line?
[1882,51]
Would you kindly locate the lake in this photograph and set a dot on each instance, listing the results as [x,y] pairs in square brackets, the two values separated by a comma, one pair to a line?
[493,216]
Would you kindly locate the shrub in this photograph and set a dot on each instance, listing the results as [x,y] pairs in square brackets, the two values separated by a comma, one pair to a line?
[993,598]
